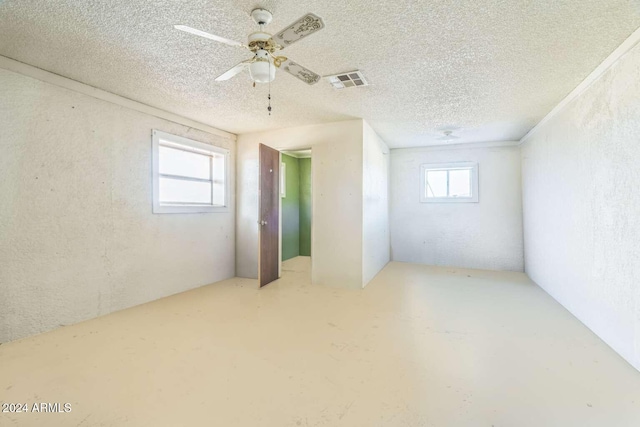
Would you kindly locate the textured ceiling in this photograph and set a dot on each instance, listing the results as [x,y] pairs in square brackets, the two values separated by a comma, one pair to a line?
[492,68]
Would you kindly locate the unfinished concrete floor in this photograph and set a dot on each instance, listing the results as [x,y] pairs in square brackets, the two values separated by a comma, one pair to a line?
[419,346]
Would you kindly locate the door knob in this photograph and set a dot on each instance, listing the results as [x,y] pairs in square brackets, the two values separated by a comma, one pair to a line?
[262,222]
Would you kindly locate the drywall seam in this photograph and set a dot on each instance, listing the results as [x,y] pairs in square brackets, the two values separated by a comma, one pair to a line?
[61,81]
[595,75]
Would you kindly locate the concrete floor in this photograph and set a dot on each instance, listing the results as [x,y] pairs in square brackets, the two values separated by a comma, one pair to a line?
[419,346]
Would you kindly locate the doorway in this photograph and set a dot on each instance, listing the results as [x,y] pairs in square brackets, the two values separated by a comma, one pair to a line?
[295,202]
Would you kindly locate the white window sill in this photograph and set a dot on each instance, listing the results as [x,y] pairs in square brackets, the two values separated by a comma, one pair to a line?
[164,209]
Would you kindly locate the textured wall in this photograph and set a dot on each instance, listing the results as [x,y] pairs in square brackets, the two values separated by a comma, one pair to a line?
[485,235]
[337,199]
[375,204]
[305,206]
[77,236]
[291,209]
[582,206]
[336,235]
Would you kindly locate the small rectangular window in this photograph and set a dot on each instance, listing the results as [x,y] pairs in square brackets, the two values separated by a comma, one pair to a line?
[449,182]
[188,176]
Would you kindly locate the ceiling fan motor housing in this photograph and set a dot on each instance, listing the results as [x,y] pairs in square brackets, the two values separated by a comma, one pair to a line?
[261,40]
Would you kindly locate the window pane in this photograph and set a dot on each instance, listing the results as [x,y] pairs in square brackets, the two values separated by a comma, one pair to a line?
[460,183]
[181,191]
[219,177]
[183,163]
[436,183]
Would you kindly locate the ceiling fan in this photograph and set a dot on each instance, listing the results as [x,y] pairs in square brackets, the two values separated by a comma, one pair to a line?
[264,46]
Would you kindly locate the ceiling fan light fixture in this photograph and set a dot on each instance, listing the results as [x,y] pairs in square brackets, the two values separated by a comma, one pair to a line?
[262,70]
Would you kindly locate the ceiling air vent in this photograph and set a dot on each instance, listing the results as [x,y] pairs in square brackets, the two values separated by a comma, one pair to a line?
[350,79]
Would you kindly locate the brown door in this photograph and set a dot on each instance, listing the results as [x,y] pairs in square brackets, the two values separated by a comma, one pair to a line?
[269,215]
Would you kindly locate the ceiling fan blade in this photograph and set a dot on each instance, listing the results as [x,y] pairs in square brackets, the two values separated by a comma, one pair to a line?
[303,27]
[297,70]
[207,35]
[235,70]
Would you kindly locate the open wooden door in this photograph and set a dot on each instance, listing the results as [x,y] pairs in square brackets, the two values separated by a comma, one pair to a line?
[269,215]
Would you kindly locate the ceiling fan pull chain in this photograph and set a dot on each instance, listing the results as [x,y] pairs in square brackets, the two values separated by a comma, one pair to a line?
[269,97]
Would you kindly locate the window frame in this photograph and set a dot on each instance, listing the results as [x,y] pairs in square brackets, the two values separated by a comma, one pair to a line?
[160,138]
[425,168]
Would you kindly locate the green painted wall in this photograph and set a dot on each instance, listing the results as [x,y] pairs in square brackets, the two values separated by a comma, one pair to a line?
[296,208]
[291,209]
[305,206]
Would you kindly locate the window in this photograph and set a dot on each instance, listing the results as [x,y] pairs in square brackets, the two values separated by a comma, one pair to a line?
[283,179]
[188,176]
[449,182]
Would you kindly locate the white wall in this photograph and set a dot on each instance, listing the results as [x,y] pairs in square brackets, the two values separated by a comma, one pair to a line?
[485,235]
[336,231]
[77,236]
[336,245]
[375,204]
[581,177]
